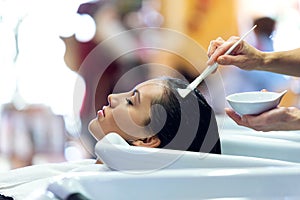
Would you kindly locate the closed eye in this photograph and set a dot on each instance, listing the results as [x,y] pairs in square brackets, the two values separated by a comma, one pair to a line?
[129,102]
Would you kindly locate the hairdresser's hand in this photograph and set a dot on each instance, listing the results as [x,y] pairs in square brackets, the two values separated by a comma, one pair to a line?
[243,56]
[277,119]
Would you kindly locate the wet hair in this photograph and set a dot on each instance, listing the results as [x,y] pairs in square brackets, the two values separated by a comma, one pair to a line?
[184,123]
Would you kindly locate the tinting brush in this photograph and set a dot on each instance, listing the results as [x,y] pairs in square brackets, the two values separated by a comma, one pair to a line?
[184,92]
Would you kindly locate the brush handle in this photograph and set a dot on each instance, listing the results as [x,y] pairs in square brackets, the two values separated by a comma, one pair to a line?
[239,41]
[203,75]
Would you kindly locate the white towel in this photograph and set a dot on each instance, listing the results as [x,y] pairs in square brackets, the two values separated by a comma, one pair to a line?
[21,182]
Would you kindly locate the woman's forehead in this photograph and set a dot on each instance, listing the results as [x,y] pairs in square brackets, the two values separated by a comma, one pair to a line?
[152,88]
[151,83]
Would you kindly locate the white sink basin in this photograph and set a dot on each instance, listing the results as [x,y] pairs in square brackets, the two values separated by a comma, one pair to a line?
[260,146]
[119,155]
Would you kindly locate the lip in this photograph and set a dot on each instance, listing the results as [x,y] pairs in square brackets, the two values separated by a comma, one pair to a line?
[101,113]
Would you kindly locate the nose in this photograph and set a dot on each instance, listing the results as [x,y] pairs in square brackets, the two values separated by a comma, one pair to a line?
[116,99]
[112,100]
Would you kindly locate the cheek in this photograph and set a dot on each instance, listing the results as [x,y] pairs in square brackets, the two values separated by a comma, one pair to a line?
[129,123]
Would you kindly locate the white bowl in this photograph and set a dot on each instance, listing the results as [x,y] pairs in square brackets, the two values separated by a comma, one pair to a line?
[253,103]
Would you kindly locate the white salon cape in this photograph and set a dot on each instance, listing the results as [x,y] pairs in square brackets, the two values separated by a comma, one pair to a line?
[20,183]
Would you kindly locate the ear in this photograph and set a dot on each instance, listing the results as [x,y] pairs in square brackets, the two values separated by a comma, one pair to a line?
[151,142]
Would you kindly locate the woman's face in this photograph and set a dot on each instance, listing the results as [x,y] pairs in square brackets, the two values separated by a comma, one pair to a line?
[127,113]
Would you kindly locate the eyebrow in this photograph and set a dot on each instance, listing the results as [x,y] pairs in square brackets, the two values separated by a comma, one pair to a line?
[139,94]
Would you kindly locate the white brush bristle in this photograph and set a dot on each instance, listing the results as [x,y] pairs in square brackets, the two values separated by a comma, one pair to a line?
[183,92]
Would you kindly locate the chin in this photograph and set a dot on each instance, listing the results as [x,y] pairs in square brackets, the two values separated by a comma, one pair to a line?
[95,129]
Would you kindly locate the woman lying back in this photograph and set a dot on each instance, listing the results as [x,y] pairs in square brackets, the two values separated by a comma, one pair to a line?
[154,115]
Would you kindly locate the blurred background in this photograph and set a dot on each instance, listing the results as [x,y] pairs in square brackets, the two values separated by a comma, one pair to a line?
[49,91]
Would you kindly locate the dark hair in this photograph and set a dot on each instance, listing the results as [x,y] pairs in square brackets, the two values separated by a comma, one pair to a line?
[265,26]
[184,123]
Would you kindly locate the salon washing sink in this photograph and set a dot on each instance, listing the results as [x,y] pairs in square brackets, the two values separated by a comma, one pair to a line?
[237,152]
[251,167]
[278,145]
[253,145]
